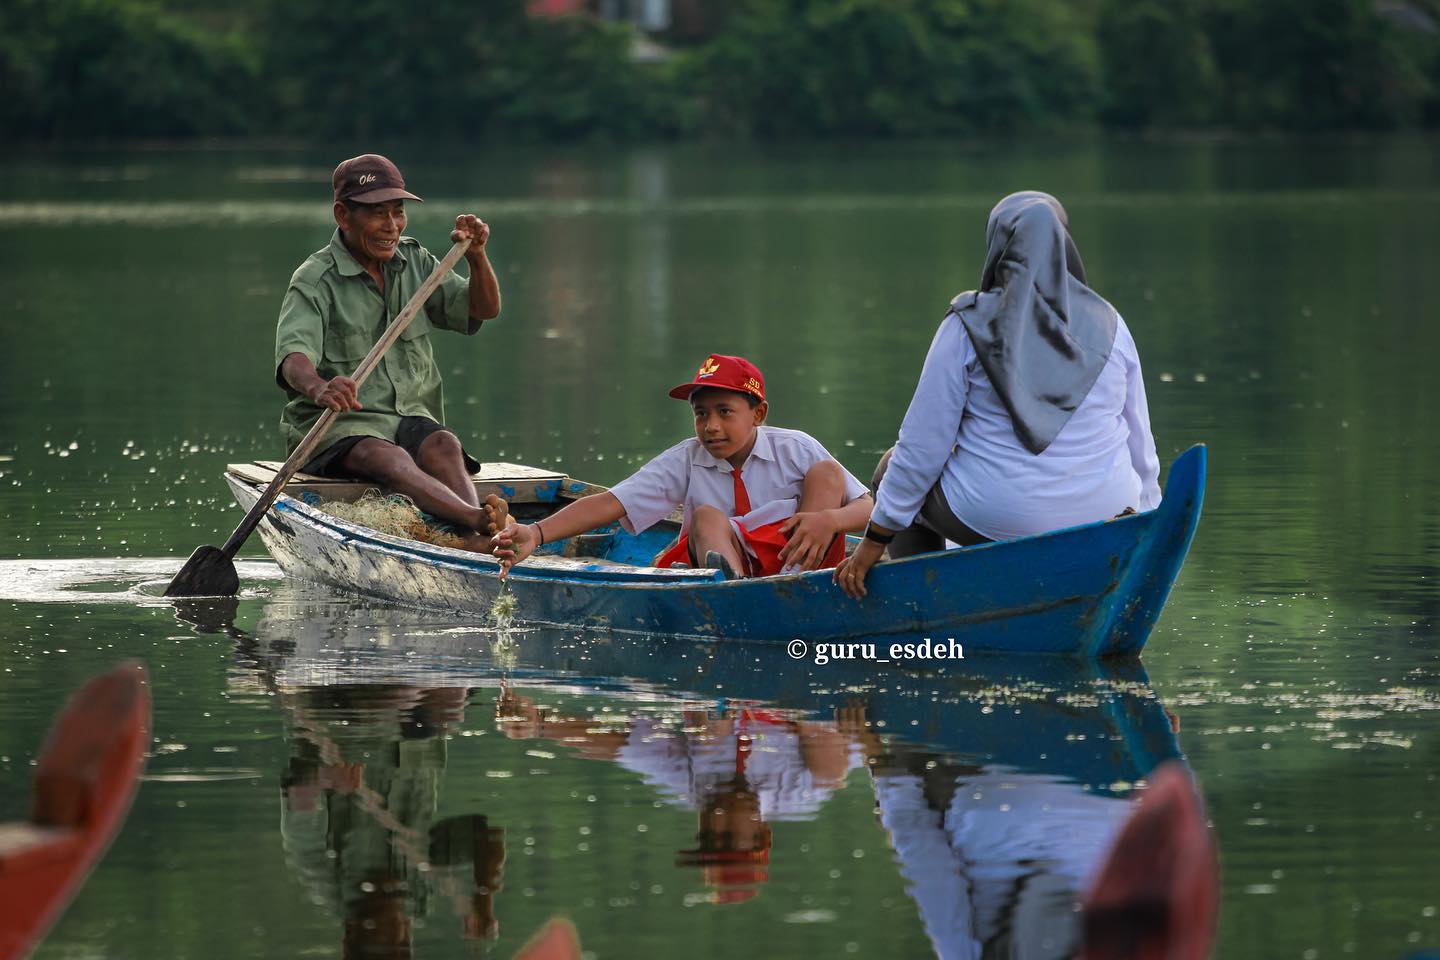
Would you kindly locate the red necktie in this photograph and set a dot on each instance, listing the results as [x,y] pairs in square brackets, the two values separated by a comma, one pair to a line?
[742,496]
[742,738]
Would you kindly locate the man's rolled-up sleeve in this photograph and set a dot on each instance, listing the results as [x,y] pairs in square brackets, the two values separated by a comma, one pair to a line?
[449,306]
[301,328]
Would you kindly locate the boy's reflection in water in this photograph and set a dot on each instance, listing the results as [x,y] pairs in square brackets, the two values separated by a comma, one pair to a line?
[732,845]
[360,799]
[741,766]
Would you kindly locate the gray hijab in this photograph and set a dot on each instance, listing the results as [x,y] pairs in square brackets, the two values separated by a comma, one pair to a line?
[1041,334]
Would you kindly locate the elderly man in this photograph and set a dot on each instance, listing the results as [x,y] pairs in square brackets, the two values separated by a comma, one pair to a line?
[340,301]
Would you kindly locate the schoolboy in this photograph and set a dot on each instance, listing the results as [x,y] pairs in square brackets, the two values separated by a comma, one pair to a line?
[757,499]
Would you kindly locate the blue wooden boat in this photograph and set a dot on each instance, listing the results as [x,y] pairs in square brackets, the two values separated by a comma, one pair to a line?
[1090,591]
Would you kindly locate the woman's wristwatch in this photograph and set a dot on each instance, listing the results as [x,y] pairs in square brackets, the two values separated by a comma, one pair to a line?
[875,536]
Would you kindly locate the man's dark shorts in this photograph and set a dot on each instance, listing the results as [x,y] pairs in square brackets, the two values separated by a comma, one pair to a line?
[408,437]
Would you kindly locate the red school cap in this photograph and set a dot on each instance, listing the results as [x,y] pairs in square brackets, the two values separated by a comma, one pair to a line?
[724,373]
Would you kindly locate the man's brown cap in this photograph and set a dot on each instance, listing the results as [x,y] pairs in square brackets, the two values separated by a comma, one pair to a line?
[369,178]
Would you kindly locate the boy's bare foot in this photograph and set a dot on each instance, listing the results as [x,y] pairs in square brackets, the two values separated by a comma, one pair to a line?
[715,560]
[494,515]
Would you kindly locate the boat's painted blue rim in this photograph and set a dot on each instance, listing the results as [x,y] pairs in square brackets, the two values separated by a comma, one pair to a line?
[576,571]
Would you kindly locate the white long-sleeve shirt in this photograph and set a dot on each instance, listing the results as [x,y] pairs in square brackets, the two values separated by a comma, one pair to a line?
[1007,837]
[958,432]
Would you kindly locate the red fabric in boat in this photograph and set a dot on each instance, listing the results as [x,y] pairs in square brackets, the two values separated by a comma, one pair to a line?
[767,542]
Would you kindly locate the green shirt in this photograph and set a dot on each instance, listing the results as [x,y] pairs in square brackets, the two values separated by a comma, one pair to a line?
[334,313]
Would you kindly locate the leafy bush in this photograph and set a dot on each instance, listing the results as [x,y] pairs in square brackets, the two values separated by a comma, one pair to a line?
[886,67]
[1314,64]
[459,69]
[91,69]
[1158,66]
[97,69]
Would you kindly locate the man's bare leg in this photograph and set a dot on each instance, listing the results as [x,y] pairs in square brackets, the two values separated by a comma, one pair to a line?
[388,464]
[441,456]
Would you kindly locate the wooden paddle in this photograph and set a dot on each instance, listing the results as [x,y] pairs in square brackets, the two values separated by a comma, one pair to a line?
[210,571]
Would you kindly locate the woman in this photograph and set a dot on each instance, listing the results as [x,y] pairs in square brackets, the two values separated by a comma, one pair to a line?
[1030,413]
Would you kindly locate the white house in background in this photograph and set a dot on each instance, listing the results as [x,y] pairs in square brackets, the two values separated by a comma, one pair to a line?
[677,20]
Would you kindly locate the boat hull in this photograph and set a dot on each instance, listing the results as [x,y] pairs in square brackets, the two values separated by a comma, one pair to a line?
[1089,591]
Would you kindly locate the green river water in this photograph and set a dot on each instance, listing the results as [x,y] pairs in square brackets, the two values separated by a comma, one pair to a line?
[318,761]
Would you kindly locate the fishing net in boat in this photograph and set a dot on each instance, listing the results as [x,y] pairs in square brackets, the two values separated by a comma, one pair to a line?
[390,513]
[396,514]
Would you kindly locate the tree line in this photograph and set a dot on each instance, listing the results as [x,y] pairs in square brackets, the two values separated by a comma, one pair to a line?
[85,70]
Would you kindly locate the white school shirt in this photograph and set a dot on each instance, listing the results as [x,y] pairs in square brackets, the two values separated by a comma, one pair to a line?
[957,431]
[687,770]
[687,475]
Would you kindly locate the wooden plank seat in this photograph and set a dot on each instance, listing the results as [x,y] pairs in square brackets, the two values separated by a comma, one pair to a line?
[531,492]
[515,482]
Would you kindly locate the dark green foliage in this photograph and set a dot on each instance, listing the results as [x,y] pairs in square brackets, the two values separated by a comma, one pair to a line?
[96,69]
[455,69]
[573,78]
[1317,64]
[885,67]
[1158,66]
[365,67]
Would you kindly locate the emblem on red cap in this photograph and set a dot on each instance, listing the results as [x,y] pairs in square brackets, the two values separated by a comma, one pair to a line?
[724,373]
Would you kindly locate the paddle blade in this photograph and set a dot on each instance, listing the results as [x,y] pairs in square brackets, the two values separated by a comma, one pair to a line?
[208,573]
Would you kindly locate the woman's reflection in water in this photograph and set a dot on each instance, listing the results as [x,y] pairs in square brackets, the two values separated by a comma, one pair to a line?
[360,796]
[996,859]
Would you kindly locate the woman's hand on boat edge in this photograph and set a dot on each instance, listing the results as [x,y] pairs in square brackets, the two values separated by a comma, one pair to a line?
[850,574]
[514,544]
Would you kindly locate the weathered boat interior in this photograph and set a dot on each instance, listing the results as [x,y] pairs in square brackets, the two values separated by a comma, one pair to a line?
[531,492]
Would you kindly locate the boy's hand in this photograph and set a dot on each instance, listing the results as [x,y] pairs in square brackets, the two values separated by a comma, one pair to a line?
[514,544]
[810,536]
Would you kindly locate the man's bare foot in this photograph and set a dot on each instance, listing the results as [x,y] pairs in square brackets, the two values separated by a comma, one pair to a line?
[476,542]
[494,515]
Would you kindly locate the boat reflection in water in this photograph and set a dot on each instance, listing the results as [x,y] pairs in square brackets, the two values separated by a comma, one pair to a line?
[1000,783]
